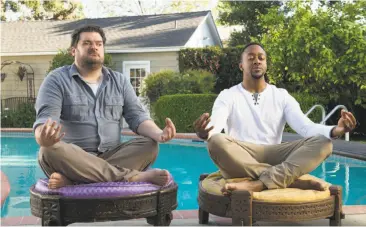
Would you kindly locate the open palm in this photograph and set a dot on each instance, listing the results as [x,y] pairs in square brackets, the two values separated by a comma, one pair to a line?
[169,131]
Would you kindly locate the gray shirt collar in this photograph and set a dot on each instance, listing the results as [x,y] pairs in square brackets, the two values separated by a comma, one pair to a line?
[73,71]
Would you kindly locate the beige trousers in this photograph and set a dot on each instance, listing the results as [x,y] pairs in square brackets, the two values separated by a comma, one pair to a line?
[277,166]
[117,164]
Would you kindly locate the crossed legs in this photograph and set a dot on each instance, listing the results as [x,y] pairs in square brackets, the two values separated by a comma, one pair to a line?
[67,163]
[270,166]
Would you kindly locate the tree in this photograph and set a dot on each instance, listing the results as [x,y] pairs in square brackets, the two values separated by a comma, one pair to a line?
[319,51]
[124,8]
[188,6]
[245,13]
[144,7]
[40,10]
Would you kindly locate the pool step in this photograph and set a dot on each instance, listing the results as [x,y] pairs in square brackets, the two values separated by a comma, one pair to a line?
[18,161]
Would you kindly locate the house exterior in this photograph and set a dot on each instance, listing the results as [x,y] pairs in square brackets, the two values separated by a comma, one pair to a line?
[139,45]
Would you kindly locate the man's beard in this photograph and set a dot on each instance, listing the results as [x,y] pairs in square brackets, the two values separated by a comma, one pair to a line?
[92,63]
[257,76]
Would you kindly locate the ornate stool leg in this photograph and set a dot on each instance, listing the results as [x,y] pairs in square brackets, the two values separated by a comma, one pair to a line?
[164,209]
[241,207]
[203,216]
[51,213]
[335,220]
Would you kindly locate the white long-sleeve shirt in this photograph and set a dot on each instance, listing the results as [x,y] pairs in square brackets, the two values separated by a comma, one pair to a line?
[261,120]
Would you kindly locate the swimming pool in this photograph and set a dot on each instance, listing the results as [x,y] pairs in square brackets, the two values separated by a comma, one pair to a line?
[185,159]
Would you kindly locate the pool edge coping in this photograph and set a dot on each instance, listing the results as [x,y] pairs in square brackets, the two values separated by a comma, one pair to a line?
[186,136]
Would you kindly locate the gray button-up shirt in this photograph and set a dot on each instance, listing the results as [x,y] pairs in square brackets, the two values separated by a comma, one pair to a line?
[90,121]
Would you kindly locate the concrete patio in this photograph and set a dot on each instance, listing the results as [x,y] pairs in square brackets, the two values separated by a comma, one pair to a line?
[355,216]
[351,220]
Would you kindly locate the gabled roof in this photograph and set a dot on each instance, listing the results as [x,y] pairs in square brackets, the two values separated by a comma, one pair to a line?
[150,31]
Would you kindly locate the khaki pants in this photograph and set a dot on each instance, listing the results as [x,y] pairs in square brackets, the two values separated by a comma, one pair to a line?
[117,164]
[277,166]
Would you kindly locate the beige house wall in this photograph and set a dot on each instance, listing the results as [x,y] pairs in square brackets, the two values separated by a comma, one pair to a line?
[13,87]
[158,60]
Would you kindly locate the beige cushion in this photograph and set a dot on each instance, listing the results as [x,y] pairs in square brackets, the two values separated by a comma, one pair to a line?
[214,182]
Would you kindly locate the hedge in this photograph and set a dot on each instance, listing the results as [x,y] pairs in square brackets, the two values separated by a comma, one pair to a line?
[23,117]
[168,82]
[184,109]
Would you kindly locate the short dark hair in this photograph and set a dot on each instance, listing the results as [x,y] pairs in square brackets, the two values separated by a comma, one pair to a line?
[75,37]
[252,44]
[248,45]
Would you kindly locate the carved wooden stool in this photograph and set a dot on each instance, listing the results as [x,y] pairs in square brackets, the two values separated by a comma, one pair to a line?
[109,201]
[288,204]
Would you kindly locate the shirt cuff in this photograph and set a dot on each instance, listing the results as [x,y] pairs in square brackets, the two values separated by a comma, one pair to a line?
[330,134]
[41,121]
[136,123]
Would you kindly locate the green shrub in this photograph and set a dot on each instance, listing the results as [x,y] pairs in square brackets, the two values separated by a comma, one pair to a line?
[63,57]
[23,117]
[168,82]
[158,84]
[183,109]
[223,63]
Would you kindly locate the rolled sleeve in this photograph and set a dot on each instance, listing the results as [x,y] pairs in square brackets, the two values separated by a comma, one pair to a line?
[49,101]
[133,110]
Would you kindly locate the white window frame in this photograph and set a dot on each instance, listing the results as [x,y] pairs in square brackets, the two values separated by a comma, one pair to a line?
[131,64]
[127,65]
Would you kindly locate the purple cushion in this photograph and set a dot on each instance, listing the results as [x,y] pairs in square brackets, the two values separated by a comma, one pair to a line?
[100,190]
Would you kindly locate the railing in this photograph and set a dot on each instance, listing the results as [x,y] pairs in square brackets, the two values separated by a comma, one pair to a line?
[314,107]
[346,137]
[11,104]
[325,118]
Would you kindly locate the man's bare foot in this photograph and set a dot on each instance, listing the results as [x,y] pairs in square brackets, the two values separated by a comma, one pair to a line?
[58,180]
[307,185]
[155,176]
[252,186]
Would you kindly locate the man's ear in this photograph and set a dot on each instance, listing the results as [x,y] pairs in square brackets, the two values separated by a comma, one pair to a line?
[241,66]
[72,51]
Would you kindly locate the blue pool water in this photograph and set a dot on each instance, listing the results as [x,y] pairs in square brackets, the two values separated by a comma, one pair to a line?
[186,160]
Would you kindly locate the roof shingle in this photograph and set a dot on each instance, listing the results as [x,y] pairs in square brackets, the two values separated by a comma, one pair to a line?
[165,30]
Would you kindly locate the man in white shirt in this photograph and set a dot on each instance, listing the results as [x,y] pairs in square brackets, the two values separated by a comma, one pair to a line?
[253,114]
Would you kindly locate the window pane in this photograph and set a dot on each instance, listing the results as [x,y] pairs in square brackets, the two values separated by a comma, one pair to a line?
[132,73]
[138,82]
[133,82]
[136,76]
